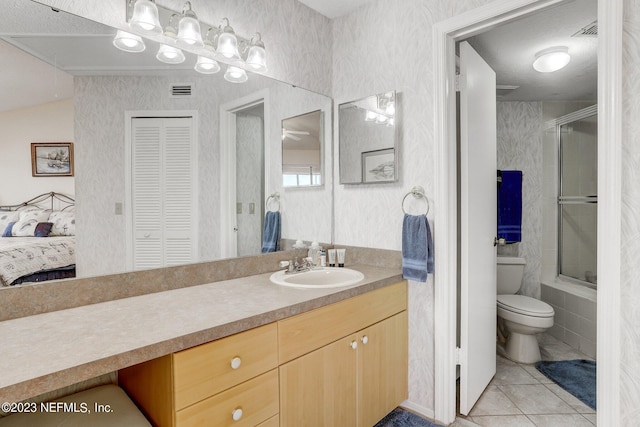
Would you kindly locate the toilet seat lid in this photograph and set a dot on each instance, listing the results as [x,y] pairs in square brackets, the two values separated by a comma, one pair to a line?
[525,305]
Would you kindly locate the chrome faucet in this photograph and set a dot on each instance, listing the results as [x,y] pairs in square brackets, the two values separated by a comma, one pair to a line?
[293,266]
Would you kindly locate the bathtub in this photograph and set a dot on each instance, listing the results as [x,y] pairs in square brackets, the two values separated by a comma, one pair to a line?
[575,320]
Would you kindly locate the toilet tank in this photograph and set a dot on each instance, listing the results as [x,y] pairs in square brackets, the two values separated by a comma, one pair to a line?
[509,274]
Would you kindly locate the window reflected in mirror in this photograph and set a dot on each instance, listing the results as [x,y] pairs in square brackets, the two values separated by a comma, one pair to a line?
[302,150]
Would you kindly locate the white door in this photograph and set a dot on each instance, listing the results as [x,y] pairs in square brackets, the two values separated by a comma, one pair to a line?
[478,217]
[163,192]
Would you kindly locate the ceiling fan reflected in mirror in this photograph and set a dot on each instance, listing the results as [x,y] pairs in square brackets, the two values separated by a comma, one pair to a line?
[291,134]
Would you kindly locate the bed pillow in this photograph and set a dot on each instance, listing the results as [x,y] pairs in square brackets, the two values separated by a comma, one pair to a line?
[7,230]
[42,229]
[64,223]
[26,225]
[7,217]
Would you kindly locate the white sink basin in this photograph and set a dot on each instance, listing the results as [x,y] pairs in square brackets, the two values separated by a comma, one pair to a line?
[325,277]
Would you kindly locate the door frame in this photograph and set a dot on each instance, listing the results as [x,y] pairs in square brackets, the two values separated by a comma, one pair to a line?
[445,34]
[228,240]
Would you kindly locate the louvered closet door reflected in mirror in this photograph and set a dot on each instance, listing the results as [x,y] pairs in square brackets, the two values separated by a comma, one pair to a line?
[162,214]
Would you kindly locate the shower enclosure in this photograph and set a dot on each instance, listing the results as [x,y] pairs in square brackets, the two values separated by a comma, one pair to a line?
[577,136]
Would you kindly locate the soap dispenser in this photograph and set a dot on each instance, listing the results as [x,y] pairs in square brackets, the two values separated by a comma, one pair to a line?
[314,253]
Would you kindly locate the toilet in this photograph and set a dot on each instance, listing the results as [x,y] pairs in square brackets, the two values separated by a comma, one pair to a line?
[520,317]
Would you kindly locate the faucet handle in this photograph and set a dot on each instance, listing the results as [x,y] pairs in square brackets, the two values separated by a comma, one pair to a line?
[284,264]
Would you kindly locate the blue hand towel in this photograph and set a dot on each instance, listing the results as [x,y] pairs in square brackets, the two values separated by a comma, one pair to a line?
[417,248]
[510,207]
[271,235]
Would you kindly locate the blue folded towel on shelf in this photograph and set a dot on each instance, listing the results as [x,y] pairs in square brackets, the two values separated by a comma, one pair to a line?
[417,248]
[271,235]
[510,207]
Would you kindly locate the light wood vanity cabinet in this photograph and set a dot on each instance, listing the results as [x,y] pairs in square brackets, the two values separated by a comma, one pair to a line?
[233,380]
[352,381]
[344,364]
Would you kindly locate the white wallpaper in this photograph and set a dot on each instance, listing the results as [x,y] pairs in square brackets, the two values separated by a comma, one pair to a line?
[249,140]
[519,146]
[630,244]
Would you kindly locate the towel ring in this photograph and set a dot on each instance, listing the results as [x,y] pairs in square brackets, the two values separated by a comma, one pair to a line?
[418,193]
[276,198]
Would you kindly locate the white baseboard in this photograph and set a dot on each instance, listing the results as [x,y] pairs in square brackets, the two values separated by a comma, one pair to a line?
[418,409]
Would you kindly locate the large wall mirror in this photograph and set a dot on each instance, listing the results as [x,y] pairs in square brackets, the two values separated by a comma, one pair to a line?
[107,88]
[302,150]
[369,139]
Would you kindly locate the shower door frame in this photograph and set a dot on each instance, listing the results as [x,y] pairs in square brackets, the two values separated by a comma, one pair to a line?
[558,123]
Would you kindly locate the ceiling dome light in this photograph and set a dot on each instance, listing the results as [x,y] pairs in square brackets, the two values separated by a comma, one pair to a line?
[206,65]
[128,42]
[145,17]
[170,55]
[189,27]
[235,75]
[552,59]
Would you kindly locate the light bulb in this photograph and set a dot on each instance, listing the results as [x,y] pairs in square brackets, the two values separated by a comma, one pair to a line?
[235,75]
[206,65]
[145,17]
[128,42]
[170,55]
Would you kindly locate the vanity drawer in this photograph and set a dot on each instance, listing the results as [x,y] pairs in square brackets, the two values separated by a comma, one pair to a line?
[257,399]
[309,331]
[201,372]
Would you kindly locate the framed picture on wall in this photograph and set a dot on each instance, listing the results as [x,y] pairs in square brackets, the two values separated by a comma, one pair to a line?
[52,159]
[378,165]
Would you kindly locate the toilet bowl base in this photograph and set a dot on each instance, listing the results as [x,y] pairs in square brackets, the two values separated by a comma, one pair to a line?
[522,348]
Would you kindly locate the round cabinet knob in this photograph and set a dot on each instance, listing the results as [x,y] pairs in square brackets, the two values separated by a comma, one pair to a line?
[364,339]
[236,362]
[354,344]
[237,414]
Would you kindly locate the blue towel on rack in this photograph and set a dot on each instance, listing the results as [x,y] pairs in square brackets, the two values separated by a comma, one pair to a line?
[417,248]
[271,235]
[510,207]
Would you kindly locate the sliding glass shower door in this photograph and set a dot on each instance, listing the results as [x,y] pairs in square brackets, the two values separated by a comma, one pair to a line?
[578,196]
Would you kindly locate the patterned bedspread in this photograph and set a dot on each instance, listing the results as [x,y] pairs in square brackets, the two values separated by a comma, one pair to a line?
[20,256]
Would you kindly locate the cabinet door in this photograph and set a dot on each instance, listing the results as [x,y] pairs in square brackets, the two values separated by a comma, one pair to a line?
[319,388]
[382,368]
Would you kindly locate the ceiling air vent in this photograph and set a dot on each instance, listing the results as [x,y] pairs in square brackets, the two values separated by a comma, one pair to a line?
[503,90]
[590,30]
[181,90]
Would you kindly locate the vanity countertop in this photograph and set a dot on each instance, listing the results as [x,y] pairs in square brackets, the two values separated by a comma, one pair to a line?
[48,351]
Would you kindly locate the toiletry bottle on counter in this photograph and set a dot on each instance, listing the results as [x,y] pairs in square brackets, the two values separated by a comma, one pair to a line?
[331,254]
[323,259]
[341,255]
[314,253]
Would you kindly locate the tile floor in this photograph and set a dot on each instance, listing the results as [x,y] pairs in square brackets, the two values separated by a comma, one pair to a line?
[520,396]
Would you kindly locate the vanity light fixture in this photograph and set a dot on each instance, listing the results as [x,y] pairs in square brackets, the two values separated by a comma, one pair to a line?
[128,42]
[189,27]
[206,65]
[227,42]
[184,30]
[370,116]
[145,17]
[235,75]
[170,55]
[257,57]
[551,59]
